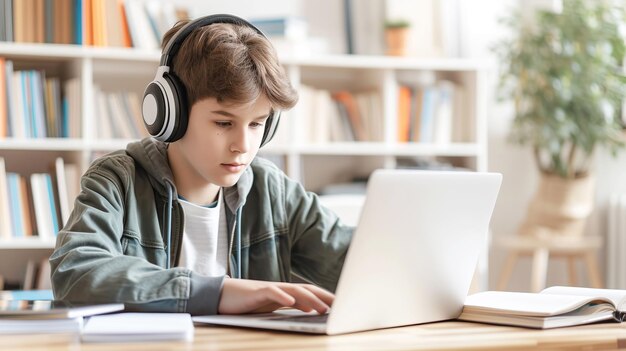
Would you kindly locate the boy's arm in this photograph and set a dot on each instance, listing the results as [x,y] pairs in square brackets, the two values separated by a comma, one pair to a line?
[89,264]
[319,239]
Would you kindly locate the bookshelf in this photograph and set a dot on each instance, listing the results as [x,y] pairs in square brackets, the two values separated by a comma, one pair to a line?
[315,164]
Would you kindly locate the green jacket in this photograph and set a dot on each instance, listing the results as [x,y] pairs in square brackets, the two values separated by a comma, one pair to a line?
[113,248]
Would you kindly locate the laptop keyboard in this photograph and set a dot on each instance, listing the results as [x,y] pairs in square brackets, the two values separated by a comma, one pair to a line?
[314,318]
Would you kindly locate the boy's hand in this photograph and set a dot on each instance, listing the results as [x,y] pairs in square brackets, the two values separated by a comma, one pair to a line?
[255,296]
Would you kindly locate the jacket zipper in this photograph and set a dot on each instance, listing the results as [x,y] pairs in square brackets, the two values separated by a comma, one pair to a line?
[232,240]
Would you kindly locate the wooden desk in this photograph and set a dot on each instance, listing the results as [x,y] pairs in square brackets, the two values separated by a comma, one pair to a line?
[440,336]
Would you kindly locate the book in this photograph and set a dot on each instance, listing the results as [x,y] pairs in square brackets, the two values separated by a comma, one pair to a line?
[50,309]
[29,275]
[44,206]
[26,295]
[38,326]
[553,307]
[61,189]
[125,327]
[6,228]
[294,28]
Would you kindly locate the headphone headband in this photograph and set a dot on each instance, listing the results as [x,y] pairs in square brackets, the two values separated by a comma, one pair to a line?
[175,42]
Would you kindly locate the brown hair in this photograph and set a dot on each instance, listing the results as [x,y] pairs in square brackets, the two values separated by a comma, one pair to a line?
[232,63]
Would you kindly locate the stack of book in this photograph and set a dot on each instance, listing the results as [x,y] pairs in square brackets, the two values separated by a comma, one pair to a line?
[341,115]
[117,23]
[118,115]
[433,114]
[37,204]
[45,316]
[38,104]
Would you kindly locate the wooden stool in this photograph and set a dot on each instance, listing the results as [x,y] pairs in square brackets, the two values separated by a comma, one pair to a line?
[541,249]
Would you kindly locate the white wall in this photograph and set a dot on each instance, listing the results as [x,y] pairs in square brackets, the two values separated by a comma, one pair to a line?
[516,162]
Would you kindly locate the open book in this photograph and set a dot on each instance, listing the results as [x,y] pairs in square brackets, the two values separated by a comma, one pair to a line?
[553,307]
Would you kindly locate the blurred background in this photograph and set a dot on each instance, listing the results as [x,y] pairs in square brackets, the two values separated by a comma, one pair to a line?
[530,89]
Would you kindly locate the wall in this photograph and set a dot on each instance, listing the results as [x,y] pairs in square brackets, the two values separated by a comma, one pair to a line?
[516,162]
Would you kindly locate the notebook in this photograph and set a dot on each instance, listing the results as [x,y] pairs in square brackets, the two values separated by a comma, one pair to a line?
[411,259]
[136,327]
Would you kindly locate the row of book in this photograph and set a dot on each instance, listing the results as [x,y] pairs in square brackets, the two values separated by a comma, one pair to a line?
[433,114]
[35,105]
[118,115]
[426,114]
[121,23]
[340,115]
[37,204]
[41,21]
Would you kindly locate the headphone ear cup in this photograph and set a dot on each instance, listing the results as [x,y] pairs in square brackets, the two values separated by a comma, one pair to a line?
[179,112]
[270,127]
[154,108]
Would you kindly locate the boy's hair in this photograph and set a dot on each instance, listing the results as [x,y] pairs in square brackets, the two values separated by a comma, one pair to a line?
[232,63]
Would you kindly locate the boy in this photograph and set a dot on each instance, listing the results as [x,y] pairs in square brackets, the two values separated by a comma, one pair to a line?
[163,226]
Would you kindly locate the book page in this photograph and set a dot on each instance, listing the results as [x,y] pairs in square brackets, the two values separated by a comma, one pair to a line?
[529,304]
[618,297]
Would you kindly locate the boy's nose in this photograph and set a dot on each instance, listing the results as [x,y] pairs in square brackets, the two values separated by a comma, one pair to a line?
[241,142]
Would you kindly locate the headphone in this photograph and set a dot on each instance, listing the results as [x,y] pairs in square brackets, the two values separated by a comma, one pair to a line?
[164,108]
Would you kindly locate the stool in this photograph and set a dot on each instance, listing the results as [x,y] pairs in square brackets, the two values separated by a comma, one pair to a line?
[542,248]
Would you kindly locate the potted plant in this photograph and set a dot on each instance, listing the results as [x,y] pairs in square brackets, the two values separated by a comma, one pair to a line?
[396,35]
[564,73]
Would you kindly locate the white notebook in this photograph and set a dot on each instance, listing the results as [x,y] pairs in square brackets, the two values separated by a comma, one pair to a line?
[132,327]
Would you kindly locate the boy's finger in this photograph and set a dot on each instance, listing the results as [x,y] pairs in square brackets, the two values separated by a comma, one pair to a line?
[307,298]
[324,295]
[277,295]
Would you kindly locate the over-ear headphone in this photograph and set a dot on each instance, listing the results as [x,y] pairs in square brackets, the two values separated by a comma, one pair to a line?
[164,109]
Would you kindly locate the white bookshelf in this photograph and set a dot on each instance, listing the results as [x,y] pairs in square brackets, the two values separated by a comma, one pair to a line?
[131,69]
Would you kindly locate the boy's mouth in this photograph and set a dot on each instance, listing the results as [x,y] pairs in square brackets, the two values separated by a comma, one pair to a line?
[234,167]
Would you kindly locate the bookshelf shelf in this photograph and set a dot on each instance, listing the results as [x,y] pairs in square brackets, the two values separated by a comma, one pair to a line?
[387,62]
[57,51]
[389,149]
[26,243]
[42,144]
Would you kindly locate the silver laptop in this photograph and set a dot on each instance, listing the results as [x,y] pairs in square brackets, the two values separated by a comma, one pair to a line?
[412,257]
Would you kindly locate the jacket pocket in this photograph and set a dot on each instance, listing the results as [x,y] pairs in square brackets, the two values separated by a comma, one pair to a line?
[152,252]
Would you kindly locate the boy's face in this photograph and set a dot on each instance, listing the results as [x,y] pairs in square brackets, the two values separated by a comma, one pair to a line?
[221,140]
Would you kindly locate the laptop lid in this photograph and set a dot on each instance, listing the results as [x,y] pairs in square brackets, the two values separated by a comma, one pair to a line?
[412,257]
[415,248]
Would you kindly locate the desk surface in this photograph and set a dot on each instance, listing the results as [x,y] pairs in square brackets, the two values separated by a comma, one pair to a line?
[441,336]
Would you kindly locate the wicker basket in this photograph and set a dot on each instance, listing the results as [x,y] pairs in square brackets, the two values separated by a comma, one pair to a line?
[560,207]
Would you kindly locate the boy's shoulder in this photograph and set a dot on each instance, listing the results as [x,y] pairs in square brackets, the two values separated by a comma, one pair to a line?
[264,168]
[115,161]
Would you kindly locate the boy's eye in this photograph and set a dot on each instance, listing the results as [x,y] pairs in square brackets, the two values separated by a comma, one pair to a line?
[223,124]
[256,124]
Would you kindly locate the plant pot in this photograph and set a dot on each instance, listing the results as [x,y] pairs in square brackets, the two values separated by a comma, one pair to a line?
[396,39]
[560,207]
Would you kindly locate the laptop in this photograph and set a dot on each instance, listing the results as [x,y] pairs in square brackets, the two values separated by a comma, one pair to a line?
[412,257]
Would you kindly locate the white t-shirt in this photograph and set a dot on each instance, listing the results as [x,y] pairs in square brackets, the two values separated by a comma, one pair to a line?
[205,243]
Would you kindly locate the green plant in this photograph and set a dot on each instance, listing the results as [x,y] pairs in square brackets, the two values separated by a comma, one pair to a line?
[564,72]
[397,23]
